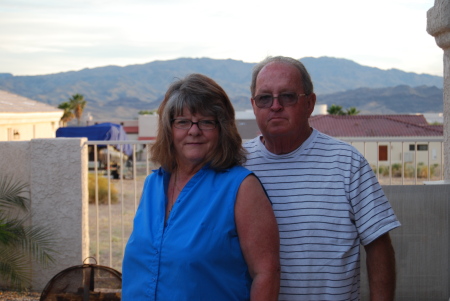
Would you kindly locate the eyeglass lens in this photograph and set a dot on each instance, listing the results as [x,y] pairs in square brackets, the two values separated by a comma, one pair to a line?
[186,124]
[284,99]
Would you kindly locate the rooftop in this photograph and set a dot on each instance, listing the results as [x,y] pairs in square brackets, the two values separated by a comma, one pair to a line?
[375,126]
[13,103]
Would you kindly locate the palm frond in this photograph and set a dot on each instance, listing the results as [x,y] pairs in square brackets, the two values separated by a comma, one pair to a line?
[11,230]
[14,267]
[19,242]
[12,194]
[38,243]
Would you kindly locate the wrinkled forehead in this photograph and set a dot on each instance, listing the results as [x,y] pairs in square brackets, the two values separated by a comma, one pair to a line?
[278,75]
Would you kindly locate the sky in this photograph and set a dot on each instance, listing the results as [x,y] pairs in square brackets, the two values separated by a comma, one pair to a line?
[52,36]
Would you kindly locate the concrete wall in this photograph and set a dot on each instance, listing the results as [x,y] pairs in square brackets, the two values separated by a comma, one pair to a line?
[56,171]
[421,243]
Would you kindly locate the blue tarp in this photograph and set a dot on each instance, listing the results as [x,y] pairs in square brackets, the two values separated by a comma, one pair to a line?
[97,132]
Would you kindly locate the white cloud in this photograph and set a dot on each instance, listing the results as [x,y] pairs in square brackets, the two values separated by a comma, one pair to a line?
[52,36]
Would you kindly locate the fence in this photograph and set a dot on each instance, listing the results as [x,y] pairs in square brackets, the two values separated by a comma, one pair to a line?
[111,222]
[403,161]
[110,227]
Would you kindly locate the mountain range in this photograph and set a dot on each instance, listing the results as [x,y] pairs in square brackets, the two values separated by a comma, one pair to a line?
[115,93]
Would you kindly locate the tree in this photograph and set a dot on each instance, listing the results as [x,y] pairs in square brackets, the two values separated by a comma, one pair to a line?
[335,110]
[147,112]
[68,114]
[352,111]
[77,103]
[19,242]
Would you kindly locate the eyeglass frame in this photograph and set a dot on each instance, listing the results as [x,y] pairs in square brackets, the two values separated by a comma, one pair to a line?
[277,97]
[198,123]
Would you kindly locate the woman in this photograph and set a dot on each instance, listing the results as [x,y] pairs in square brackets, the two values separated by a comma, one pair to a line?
[205,229]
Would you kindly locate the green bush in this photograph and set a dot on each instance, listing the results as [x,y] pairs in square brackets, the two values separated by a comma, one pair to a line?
[383,170]
[422,170]
[409,170]
[396,170]
[435,170]
[102,184]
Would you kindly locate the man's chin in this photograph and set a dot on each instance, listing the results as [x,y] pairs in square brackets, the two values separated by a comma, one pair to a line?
[278,131]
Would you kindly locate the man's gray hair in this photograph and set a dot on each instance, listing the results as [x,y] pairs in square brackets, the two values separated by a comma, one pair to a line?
[307,84]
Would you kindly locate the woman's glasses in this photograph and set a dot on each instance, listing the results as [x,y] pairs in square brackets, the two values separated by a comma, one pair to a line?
[186,124]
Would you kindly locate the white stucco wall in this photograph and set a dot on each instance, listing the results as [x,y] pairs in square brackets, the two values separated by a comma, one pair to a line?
[148,126]
[56,170]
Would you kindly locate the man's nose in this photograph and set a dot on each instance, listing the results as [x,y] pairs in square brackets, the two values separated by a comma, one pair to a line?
[276,106]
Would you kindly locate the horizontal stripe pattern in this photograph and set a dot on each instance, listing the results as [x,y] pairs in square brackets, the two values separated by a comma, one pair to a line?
[327,202]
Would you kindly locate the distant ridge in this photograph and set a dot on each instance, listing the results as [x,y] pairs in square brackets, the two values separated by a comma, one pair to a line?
[336,75]
[118,93]
[400,99]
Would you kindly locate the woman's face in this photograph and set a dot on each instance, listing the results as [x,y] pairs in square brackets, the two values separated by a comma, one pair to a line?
[193,145]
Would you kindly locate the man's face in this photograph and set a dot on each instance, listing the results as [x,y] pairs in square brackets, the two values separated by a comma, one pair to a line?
[276,78]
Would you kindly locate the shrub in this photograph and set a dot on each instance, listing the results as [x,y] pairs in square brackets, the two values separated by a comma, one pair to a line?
[422,170]
[384,170]
[435,170]
[396,170]
[409,170]
[102,184]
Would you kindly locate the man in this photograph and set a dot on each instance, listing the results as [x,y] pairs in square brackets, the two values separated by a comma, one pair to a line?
[325,196]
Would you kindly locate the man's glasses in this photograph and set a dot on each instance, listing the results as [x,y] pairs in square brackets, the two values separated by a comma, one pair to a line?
[186,124]
[285,99]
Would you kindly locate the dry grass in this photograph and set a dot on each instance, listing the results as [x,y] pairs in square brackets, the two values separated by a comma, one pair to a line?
[115,221]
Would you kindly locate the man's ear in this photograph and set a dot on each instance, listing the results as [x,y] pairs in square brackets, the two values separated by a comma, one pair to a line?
[252,102]
[311,102]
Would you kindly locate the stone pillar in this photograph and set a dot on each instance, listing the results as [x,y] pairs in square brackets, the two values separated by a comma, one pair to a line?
[438,25]
[59,200]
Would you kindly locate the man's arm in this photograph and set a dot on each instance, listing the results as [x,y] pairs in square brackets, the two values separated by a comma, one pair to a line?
[259,238]
[381,268]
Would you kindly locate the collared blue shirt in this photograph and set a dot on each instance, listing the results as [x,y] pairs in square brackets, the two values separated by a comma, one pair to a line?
[196,254]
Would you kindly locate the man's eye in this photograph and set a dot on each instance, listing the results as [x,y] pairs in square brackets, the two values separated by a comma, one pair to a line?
[288,96]
[265,98]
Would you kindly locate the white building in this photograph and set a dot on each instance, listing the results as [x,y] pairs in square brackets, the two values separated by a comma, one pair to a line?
[22,118]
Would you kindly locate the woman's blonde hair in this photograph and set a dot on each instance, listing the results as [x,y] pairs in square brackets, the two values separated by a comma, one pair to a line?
[199,94]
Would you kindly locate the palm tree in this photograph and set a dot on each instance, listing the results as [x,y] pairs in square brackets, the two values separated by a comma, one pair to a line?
[68,114]
[335,110]
[77,103]
[352,111]
[19,242]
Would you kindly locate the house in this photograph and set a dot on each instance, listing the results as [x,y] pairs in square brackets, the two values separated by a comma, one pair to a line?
[22,118]
[375,126]
[385,133]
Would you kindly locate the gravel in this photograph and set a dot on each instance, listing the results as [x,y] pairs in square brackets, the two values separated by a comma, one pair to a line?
[16,296]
